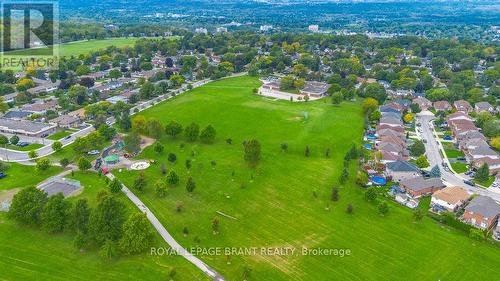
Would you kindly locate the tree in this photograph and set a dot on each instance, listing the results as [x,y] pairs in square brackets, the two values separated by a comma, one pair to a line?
[84,164]
[362,178]
[107,220]
[370,105]
[172,157]
[192,132]
[14,140]
[42,164]
[335,194]
[415,108]
[495,142]
[337,98]
[252,151]
[418,215]
[188,164]
[80,240]
[483,173]
[154,128]
[115,74]
[108,250]
[27,205]
[371,194]
[284,147]
[64,162]
[208,134]
[476,234]
[3,140]
[173,129]
[80,216]
[417,148]
[307,151]
[383,208]
[140,182]
[344,176]
[172,178]
[56,146]
[422,162]
[55,213]
[408,118]
[137,234]
[215,225]
[190,185]
[115,186]
[132,142]
[158,148]
[32,154]
[435,172]
[3,106]
[349,209]
[160,188]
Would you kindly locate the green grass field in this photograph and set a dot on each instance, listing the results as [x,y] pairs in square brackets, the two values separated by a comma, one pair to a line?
[59,135]
[27,253]
[487,183]
[22,176]
[459,167]
[453,153]
[29,147]
[285,201]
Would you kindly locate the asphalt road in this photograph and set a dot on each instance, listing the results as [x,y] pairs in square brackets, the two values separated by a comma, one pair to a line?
[433,155]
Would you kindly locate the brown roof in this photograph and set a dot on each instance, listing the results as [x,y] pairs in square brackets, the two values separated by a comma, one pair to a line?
[442,105]
[452,194]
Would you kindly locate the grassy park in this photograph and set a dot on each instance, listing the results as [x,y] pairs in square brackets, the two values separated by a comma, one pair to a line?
[285,200]
[31,254]
[60,134]
[22,176]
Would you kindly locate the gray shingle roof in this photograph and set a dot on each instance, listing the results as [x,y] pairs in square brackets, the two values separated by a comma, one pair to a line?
[417,184]
[402,166]
[484,205]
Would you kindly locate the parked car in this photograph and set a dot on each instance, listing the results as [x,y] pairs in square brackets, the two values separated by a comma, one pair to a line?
[93,152]
[2,175]
[67,137]
[22,144]
[448,138]
[424,140]
[469,183]
[461,159]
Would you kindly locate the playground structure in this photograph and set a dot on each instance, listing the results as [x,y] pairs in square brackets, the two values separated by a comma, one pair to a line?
[139,166]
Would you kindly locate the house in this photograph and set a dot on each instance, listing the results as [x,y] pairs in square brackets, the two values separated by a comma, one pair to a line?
[45,87]
[418,187]
[315,89]
[462,106]
[482,151]
[449,199]
[402,170]
[496,233]
[484,106]
[66,121]
[482,212]
[17,114]
[26,128]
[423,103]
[80,113]
[384,108]
[41,108]
[493,164]
[391,121]
[116,99]
[442,105]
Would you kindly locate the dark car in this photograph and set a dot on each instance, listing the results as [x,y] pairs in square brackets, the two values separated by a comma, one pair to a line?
[469,183]
[2,175]
[67,138]
[22,144]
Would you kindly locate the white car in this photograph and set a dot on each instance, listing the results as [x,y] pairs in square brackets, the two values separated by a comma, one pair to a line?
[93,152]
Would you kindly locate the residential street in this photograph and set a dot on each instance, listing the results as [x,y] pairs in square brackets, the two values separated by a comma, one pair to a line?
[167,237]
[433,155]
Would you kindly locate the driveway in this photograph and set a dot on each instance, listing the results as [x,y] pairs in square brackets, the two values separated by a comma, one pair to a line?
[432,148]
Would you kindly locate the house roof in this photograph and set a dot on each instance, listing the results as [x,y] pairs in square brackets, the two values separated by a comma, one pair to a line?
[402,166]
[452,194]
[442,105]
[417,184]
[24,126]
[484,205]
[65,120]
[462,104]
[17,114]
[385,108]
[483,105]
[316,87]
[483,150]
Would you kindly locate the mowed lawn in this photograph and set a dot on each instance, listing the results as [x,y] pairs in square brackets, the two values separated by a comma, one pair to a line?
[20,176]
[285,201]
[28,253]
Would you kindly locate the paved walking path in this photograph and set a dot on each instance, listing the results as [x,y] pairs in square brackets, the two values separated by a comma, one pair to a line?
[167,237]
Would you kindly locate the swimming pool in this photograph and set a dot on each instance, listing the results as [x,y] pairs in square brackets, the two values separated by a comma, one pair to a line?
[378,180]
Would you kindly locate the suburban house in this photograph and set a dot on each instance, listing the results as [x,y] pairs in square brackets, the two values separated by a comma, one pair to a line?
[391,122]
[482,212]
[66,121]
[442,106]
[385,108]
[449,199]
[402,170]
[17,114]
[41,108]
[26,128]
[493,164]
[315,89]
[116,99]
[419,186]
[79,113]
[484,106]
[462,106]
[272,86]
[44,87]
[423,103]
